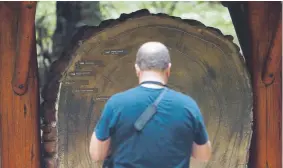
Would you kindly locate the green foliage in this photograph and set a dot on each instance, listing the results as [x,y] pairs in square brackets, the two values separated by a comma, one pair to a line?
[45,21]
[211,14]
[46,15]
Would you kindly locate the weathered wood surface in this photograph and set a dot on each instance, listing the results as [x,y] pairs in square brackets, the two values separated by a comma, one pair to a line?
[273,58]
[263,52]
[264,20]
[100,62]
[19,118]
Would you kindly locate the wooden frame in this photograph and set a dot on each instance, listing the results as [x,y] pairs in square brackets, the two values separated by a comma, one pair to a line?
[261,20]
[19,94]
[258,26]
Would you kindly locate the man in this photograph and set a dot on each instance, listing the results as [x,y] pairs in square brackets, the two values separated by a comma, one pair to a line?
[172,135]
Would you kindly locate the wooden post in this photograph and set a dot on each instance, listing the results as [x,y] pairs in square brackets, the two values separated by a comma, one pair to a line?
[258,26]
[273,60]
[264,19]
[19,118]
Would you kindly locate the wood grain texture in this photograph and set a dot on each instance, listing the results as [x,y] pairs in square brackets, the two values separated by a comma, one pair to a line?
[206,66]
[272,63]
[19,119]
[26,34]
[266,149]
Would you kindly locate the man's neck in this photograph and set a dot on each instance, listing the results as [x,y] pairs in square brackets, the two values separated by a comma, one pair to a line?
[152,76]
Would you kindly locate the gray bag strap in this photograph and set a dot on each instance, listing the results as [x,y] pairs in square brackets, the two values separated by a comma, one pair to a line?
[149,112]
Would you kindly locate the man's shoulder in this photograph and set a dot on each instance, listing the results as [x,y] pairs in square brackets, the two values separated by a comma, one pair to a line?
[185,102]
[123,95]
[131,94]
[181,97]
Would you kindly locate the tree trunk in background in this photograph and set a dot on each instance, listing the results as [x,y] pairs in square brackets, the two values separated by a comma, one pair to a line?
[70,16]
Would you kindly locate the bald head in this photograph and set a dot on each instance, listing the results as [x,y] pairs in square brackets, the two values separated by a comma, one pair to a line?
[153,56]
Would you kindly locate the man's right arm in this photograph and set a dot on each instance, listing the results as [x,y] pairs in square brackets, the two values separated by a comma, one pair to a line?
[201,149]
[202,152]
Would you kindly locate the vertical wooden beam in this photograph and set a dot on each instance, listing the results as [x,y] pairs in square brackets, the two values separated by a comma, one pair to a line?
[272,63]
[266,143]
[24,44]
[257,26]
[19,118]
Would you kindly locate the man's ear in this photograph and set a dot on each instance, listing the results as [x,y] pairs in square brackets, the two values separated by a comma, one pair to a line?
[137,69]
[168,70]
[169,66]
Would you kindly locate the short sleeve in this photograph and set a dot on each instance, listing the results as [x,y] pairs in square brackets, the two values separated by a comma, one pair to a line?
[106,123]
[201,135]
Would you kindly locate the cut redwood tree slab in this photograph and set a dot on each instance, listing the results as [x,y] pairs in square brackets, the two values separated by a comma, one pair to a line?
[99,62]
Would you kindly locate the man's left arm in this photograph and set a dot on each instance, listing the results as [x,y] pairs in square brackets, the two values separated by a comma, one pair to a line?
[99,150]
[101,137]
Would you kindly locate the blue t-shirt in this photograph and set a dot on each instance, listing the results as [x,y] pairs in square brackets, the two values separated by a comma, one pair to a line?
[165,142]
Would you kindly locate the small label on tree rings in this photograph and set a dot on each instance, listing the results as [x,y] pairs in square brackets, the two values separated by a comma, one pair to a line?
[77,82]
[81,73]
[116,52]
[85,90]
[102,98]
[91,62]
